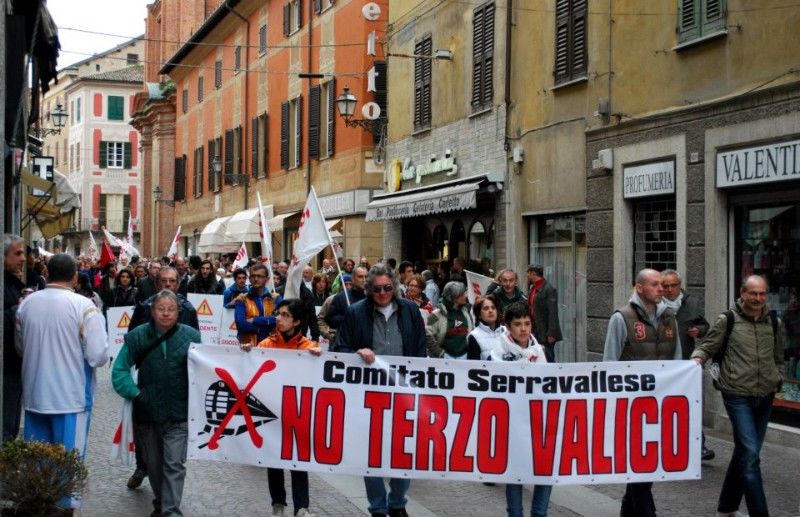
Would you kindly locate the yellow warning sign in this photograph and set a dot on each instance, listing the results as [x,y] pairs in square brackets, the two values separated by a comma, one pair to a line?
[204,309]
[124,321]
[233,325]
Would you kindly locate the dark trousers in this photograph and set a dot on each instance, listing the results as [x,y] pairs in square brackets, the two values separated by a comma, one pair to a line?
[299,488]
[12,404]
[638,501]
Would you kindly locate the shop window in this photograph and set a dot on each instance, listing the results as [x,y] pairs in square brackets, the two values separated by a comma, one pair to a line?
[558,243]
[458,241]
[480,249]
[654,240]
[768,243]
[440,240]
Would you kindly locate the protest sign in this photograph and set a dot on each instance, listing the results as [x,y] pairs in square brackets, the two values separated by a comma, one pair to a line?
[228,333]
[117,321]
[209,315]
[505,422]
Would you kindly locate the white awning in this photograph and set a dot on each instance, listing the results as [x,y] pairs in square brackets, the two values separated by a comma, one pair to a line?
[446,199]
[330,223]
[243,226]
[276,223]
[213,239]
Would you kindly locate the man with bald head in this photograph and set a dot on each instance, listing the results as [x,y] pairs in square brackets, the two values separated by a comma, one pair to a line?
[751,372]
[644,329]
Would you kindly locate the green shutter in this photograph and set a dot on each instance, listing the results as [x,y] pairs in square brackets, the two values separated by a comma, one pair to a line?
[103,155]
[688,16]
[116,107]
[713,16]
[126,158]
[126,212]
[102,210]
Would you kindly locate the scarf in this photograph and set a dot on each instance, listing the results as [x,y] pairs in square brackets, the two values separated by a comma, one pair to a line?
[673,304]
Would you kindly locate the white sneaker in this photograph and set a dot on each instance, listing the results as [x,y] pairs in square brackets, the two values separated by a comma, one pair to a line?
[278,510]
[303,512]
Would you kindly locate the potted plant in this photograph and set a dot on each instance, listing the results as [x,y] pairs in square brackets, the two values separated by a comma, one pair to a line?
[34,476]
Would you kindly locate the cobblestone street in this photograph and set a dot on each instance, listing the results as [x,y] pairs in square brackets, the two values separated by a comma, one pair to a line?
[214,489]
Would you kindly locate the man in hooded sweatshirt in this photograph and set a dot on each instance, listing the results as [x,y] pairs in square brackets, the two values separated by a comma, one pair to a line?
[644,329]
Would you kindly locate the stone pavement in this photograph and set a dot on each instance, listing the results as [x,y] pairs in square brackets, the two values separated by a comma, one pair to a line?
[220,489]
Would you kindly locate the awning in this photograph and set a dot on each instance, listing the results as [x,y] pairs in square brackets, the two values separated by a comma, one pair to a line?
[243,226]
[276,223]
[54,212]
[330,223]
[213,239]
[435,201]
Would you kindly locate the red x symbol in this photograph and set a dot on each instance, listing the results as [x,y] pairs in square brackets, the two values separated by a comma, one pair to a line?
[241,404]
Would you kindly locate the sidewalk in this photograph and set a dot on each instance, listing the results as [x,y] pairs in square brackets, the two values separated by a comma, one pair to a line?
[214,489]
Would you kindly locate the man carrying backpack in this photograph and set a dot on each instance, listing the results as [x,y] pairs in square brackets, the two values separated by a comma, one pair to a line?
[751,371]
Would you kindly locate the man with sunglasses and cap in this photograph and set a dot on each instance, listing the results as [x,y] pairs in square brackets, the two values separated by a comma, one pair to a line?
[383,324]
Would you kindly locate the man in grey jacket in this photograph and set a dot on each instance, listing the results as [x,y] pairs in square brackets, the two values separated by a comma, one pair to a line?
[691,323]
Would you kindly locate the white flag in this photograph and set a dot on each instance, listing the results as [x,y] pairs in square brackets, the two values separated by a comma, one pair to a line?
[173,249]
[111,240]
[93,250]
[128,249]
[312,237]
[241,258]
[477,285]
[266,243]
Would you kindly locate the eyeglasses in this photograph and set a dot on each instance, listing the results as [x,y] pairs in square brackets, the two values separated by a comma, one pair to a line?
[388,288]
[670,286]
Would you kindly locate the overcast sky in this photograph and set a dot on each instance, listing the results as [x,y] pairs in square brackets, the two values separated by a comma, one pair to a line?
[123,17]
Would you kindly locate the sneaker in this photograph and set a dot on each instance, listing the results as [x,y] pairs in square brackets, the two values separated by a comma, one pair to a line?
[303,512]
[135,481]
[278,509]
[737,513]
[707,454]
[398,512]
[378,514]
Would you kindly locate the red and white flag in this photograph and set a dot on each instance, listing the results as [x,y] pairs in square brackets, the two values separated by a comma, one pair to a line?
[94,251]
[477,285]
[111,240]
[173,248]
[128,248]
[266,243]
[241,258]
[312,238]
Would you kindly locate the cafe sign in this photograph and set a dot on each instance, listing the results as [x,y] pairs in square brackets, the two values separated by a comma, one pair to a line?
[649,179]
[759,164]
[405,171]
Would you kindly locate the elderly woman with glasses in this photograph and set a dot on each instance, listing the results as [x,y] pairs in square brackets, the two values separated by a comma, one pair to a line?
[450,324]
[415,293]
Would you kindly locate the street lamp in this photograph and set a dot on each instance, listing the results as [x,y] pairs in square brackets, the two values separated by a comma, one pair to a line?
[346,104]
[157,197]
[59,116]
[216,164]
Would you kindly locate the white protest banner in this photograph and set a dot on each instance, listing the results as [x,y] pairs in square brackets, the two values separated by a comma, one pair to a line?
[117,321]
[312,237]
[209,309]
[477,285]
[241,258]
[173,248]
[94,251]
[578,423]
[228,333]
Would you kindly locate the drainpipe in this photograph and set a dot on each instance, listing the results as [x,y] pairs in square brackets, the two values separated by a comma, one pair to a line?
[511,260]
[243,159]
[308,111]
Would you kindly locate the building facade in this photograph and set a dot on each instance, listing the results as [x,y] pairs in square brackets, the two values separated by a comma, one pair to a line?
[445,194]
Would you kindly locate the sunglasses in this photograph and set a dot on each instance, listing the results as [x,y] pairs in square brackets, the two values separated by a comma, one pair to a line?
[388,288]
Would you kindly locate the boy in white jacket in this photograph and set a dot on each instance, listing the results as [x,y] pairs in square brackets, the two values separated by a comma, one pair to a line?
[518,344]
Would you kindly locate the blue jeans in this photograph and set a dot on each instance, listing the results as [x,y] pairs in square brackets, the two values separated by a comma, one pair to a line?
[376,494]
[539,503]
[749,417]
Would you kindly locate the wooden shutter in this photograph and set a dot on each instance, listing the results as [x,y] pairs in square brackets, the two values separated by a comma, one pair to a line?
[381,93]
[238,154]
[314,99]
[102,218]
[477,57]
[331,116]
[285,135]
[688,28]
[126,211]
[561,70]
[228,159]
[286,19]
[317,6]
[254,147]
[262,39]
[103,155]
[713,16]
[217,74]
[180,179]
[185,100]
[211,153]
[200,89]
[298,132]
[578,39]
[299,13]
[422,84]
[126,155]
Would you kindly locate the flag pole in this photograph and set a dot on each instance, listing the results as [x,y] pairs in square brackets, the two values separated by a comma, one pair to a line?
[264,230]
[330,243]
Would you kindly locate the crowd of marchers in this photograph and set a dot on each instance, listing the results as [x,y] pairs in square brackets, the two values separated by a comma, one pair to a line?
[388,308]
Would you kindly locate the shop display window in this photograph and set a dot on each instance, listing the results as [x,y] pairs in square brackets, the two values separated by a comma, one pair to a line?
[655,242]
[768,244]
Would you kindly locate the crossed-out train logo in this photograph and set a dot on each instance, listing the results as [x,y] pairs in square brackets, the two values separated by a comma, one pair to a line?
[231,411]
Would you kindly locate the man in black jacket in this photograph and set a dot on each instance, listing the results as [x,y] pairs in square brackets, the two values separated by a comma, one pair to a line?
[167,279]
[383,324]
[14,259]
[148,286]
[355,294]
[691,324]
